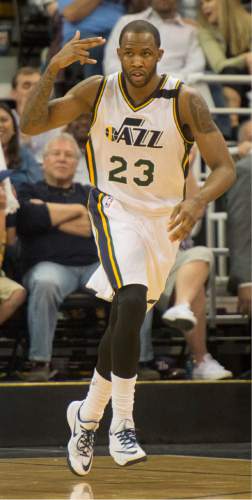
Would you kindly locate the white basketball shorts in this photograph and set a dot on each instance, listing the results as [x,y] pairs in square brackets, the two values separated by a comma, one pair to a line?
[133,248]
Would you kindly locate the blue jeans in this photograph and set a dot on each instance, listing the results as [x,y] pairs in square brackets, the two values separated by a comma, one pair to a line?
[146,347]
[48,285]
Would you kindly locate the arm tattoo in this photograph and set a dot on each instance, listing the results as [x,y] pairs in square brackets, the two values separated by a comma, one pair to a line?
[36,108]
[201,115]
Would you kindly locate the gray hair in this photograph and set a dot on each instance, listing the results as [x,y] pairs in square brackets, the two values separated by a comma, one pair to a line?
[65,136]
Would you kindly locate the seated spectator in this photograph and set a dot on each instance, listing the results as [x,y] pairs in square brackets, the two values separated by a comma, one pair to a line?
[186,281]
[23,82]
[12,295]
[18,158]
[225,37]
[58,252]
[91,18]
[180,59]
[238,206]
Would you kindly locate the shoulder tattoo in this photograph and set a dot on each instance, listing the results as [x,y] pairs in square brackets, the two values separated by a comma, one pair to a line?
[201,115]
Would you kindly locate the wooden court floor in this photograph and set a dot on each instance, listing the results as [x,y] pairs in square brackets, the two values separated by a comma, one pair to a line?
[161,477]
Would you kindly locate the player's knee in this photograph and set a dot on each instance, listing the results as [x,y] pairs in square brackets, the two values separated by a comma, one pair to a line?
[132,301]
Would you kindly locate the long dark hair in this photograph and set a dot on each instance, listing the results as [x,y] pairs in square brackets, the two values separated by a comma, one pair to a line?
[13,147]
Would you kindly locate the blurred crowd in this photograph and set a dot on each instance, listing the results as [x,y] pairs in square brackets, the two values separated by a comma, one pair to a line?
[44,182]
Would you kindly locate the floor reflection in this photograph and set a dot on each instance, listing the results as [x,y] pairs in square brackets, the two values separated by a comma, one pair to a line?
[82,491]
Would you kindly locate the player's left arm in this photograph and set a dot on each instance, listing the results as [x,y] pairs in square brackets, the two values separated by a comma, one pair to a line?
[197,123]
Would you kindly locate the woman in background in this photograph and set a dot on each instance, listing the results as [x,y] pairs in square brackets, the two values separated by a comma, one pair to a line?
[18,157]
[225,37]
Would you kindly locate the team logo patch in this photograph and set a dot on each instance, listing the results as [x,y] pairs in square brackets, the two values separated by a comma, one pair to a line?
[133,133]
[107,201]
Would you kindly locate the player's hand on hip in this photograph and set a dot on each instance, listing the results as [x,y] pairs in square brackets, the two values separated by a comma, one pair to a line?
[76,50]
[183,218]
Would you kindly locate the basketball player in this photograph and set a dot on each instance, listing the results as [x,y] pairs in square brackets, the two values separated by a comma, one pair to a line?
[143,127]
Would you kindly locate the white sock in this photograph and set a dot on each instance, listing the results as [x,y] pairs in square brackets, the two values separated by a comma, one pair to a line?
[97,398]
[123,390]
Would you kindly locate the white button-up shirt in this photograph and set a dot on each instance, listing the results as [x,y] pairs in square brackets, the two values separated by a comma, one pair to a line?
[182,52]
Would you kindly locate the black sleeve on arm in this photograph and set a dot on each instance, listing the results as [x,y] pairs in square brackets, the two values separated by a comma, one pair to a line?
[31,218]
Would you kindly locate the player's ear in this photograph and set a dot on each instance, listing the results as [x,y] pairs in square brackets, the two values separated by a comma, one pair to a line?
[160,54]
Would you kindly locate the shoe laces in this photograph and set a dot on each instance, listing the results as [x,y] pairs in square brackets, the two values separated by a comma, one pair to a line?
[127,437]
[85,442]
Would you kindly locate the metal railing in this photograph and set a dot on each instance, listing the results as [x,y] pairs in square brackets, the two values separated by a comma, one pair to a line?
[206,78]
[215,78]
[216,221]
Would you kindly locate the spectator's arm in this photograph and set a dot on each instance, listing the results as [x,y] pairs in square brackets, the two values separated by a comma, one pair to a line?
[78,9]
[32,219]
[78,227]
[60,213]
[215,53]
[39,217]
[244,148]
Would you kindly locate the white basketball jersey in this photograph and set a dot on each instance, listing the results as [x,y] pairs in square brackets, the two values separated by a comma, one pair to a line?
[138,154]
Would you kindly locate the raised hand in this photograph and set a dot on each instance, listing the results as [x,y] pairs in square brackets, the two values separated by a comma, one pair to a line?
[76,50]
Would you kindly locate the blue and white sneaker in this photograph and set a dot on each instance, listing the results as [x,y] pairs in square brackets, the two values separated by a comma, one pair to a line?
[80,447]
[123,445]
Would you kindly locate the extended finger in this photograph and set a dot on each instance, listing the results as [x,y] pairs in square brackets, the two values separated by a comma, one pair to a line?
[90,42]
[176,235]
[178,220]
[91,61]
[180,233]
[87,61]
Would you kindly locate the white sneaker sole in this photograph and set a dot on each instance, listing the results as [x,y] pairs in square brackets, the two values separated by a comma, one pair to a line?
[124,460]
[184,324]
[71,413]
[220,376]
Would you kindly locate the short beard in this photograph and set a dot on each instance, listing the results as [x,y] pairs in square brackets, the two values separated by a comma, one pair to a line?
[140,85]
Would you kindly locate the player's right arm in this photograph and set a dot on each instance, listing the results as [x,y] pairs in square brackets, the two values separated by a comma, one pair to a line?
[40,113]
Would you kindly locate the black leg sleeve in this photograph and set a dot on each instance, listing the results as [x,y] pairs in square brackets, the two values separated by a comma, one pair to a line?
[131,309]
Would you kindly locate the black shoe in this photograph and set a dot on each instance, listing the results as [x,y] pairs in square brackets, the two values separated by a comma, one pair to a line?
[147,372]
[38,372]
